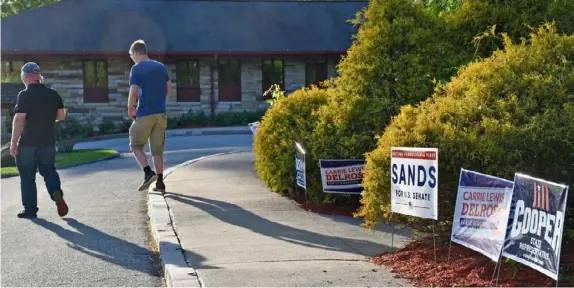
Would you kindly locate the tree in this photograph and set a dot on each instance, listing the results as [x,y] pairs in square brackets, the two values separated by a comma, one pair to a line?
[11,7]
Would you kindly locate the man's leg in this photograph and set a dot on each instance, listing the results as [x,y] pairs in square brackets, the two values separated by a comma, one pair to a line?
[156,144]
[139,134]
[27,167]
[47,168]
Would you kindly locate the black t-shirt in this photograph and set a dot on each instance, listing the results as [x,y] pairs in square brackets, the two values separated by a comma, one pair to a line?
[41,105]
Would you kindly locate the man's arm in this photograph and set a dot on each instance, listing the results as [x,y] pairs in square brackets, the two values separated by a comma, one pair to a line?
[61,111]
[17,127]
[61,114]
[20,110]
[134,93]
[168,82]
[168,89]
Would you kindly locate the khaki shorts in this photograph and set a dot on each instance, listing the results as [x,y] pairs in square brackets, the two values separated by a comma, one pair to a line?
[149,128]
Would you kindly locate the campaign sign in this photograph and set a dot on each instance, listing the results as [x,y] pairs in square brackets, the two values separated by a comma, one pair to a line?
[300,166]
[253,126]
[481,212]
[535,224]
[414,181]
[342,176]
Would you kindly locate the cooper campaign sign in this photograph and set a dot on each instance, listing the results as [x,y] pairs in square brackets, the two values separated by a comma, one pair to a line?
[414,181]
[300,166]
[535,224]
[481,212]
[342,176]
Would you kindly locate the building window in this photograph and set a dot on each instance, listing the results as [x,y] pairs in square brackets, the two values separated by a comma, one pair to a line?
[187,75]
[315,71]
[11,71]
[273,73]
[96,82]
[229,73]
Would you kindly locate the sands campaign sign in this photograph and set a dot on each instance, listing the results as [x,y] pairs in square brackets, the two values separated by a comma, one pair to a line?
[481,212]
[414,182]
[536,224]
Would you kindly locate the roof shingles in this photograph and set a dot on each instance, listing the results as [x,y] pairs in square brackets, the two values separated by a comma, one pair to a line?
[182,26]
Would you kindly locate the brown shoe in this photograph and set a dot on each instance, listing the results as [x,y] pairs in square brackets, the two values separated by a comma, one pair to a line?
[58,197]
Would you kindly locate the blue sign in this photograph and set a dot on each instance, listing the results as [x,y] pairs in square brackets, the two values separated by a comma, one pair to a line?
[536,223]
[300,166]
[342,176]
[481,212]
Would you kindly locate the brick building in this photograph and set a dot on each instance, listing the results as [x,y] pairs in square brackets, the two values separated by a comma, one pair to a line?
[222,55]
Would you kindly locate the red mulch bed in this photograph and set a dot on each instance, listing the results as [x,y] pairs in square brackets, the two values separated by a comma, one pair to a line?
[465,267]
[331,209]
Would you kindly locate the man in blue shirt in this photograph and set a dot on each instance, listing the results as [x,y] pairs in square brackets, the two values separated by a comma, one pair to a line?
[150,86]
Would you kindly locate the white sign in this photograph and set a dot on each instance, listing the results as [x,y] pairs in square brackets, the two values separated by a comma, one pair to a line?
[342,176]
[253,126]
[481,212]
[414,181]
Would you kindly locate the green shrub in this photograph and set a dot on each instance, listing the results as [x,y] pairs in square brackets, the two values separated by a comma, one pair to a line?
[290,119]
[276,94]
[397,53]
[191,117]
[513,17]
[232,118]
[227,118]
[107,126]
[511,112]
[194,117]
[124,125]
[70,131]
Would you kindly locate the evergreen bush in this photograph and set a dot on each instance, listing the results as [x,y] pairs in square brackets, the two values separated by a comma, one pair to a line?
[290,119]
[511,112]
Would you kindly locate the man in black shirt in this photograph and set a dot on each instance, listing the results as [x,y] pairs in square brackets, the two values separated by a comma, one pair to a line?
[33,140]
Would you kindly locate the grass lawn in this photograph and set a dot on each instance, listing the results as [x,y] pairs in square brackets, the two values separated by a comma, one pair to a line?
[69,159]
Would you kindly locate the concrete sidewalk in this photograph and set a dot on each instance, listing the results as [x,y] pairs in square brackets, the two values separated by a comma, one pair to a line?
[236,233]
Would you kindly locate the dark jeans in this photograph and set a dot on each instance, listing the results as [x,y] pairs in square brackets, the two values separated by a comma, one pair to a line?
[29,160]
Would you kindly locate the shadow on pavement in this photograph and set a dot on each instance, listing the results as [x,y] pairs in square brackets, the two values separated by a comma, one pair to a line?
[381,227]
[240,217]
[126,161]
[102,245]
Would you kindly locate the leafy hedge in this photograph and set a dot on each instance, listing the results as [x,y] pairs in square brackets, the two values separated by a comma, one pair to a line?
[513,17]
[393,61]
[512,112]
[290,119]
[403,50]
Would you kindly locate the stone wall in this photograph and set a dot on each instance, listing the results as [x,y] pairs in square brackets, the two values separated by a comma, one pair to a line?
[66,77]
[9,92]
[4,133]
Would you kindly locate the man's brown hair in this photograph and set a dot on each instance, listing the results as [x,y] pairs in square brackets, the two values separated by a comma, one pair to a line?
[139,47]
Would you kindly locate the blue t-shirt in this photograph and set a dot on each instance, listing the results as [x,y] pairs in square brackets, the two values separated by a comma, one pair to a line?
[151,76]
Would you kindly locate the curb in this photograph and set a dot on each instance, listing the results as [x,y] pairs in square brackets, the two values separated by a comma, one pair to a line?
[229,130]
[177,271]
[118,154]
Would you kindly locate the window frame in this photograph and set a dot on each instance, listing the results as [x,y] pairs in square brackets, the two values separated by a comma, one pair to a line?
[95,93]
[266,83]
[229,91]
[314,64]
[188,92]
